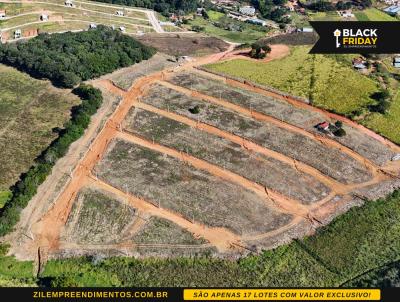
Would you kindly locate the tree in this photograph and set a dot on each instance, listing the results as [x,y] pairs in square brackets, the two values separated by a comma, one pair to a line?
[259,50]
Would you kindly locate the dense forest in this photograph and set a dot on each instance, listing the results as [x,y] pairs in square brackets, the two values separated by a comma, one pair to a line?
[69,58]
[162,6]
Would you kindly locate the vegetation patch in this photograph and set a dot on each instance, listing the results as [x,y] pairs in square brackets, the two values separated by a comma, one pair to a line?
[30,113]
[327,82]
[27,186]
[98,218]
[68,58]
[158,230]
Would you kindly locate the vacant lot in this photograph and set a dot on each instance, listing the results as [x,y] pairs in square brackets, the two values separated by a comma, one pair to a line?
[97,219]
[29,110]
[327,160]
[373,14]
[247,33]
[125,77]
[387,124]
[329,83]
[305,119]
[183,189]
[158,230]
[184,44]
[254,166]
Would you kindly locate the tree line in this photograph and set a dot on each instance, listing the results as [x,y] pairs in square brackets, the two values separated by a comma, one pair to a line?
[161,6]
[69,58]
[26,187]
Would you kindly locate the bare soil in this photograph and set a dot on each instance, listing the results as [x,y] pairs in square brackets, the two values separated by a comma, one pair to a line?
[193,193]
[327,160]
[252,165]
[184,44]
[367,146]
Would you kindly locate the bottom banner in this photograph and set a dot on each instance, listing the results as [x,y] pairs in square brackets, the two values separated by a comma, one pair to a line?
[200,294]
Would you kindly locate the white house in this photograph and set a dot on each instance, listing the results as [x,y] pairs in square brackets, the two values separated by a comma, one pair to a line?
[2,13]
[68,3]
[120,13]
[122,28]
[44,17]
[396,62]
[92,26]
[17,34]
[247,10]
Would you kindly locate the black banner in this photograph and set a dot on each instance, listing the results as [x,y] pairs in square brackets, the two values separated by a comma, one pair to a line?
[198,294]
[357,37]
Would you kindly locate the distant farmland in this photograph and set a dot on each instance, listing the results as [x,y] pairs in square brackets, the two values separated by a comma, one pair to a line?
[29,110]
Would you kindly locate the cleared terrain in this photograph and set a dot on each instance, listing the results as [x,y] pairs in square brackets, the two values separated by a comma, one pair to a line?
[236,167]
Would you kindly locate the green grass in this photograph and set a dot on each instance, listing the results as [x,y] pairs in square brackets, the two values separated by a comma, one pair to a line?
[29,110]
[214,15]
[250,33]
[4,197]
[329,82]
[325,16]
[387,124]
[373,14]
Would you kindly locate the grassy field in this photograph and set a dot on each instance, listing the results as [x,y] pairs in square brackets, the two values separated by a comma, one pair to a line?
[373,14]
[85,13]
[249,34]
[4,196]
[364,238]
[328,82]
[387,124]
[29,110]
[325,16]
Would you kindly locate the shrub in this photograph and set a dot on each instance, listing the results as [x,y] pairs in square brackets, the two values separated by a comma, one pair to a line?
[339,132]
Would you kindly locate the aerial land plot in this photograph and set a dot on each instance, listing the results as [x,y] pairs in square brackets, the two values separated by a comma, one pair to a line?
[373,14]
[328,82]
[354,139]
[125,77]
[329,161]
[184,44]
[257,167]
[183,189]
[158,230]
[29,110]
[97,219]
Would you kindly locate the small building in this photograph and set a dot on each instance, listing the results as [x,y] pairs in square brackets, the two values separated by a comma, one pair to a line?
[17,34]
[324,126]
[199,11]
[92,26]
[396,62]
[247,10]
[359,63]
[359,66]
[2,13]
[257,22]
[68,3]
[122,28]
[44,17]
[393,10]
[120,13]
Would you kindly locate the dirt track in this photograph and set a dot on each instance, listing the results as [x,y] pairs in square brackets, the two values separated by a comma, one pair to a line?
[47,229]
